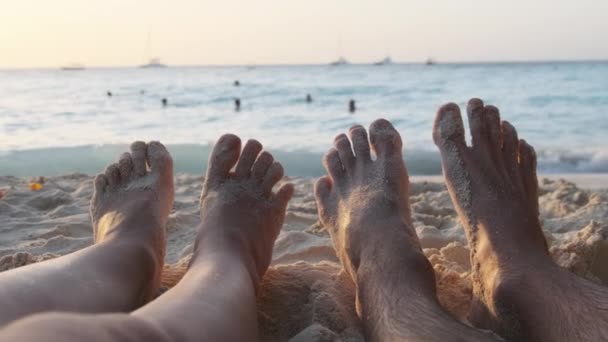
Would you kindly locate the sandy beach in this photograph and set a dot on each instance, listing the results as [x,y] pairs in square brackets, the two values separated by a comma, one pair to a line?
[304,296]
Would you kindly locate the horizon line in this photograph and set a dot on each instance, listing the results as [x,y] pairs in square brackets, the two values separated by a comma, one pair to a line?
[437,62]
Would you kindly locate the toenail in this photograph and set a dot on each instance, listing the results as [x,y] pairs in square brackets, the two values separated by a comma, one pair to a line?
[356,128]
[475,102]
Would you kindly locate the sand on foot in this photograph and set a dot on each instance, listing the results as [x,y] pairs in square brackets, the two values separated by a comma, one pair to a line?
[304,296]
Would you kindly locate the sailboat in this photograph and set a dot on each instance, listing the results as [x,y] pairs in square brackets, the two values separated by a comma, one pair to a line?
[154,63]
[385,61]
[73,67]
[340,61]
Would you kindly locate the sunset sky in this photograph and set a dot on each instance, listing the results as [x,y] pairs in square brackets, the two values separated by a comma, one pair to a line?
[43,33]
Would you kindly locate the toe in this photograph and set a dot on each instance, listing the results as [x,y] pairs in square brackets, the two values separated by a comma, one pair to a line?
[510,153]
[385,140]
[358,135]
[475,112]
[322,193]
[261,166]
[223,157]
[274,174]
[159,158]
[510,149]
[333,165]
[113,175]
[345,151]
[283,196]
[248,156]
[125,165]
[448,134]
[448,129]
[138,157]
[492,123]
[100,183]
[527,167]
[322,188]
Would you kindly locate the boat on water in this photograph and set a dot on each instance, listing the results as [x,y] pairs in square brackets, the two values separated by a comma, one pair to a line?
[73,67]
[430,61]
[385,61]
[153,63]
[340,61]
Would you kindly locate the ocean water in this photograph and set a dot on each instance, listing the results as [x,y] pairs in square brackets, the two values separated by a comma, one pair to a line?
[54,121]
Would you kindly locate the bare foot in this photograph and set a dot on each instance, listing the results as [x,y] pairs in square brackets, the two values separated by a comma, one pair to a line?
[240,214]
[360,192]
[494,188]
[364,206]
[132,201]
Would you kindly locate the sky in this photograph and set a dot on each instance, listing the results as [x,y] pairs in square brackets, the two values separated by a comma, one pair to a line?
[45,33]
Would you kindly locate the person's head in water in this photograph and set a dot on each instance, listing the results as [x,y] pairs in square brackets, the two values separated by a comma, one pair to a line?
[109,93]
[308,98]
[237,104]
[237,83]
[351,106]
[164,101]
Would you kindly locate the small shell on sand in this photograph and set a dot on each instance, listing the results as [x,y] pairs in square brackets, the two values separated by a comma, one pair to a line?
[305,296]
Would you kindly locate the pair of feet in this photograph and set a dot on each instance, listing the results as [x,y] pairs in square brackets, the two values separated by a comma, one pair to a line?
[518,292]
[240,213]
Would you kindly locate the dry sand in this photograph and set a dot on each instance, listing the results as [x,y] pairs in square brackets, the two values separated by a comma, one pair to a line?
[305,296]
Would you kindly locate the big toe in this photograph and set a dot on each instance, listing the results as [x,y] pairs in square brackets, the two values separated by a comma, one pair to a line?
[159,159]
[448,133]
[385,140]
[223,157]
[448,129]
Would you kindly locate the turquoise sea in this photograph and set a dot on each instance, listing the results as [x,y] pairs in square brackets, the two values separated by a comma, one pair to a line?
[54,121]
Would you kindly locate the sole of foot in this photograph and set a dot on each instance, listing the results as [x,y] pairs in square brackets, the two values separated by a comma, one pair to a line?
[132,201]
[359,192]
[240,212]
[494,188]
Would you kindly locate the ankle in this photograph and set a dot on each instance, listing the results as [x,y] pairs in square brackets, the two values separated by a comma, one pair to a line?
[492,260]
[395,252]
[386,288]
[117,227]
[142,261]
[408,264]
[388,236]
[379,228]
[214,245]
